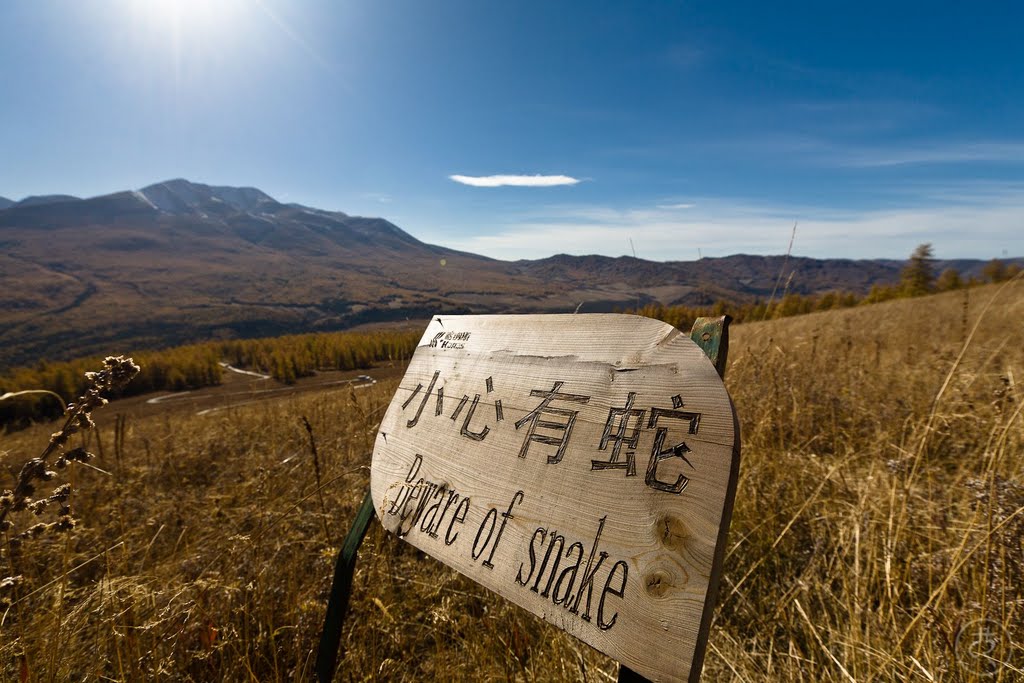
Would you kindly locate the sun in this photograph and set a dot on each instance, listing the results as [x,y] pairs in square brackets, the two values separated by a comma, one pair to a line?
[199,11]
[190,37]
[197,19]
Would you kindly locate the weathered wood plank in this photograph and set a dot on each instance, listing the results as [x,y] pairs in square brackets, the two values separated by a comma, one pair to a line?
[581,466]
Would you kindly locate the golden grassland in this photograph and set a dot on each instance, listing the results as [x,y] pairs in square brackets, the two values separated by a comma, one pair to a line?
[879,516]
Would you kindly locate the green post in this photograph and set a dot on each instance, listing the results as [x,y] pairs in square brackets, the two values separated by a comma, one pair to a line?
[341,590]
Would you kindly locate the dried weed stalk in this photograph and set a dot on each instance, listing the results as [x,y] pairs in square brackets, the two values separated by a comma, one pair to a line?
[116,373]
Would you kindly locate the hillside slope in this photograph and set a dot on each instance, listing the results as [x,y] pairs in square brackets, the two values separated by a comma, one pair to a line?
[877,532]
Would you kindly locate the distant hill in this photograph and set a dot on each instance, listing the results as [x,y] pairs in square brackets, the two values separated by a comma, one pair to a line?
[41,200]
[179,261]
[5,202]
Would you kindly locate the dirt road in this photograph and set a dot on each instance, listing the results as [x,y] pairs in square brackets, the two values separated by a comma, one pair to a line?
[243,387]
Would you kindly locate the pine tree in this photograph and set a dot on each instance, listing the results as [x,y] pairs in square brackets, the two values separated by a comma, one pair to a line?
[918,276]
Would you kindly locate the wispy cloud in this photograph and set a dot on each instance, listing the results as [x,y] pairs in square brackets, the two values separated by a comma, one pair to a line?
[979,223]
[939,153]
[670,207]
[838,152]
[515,180]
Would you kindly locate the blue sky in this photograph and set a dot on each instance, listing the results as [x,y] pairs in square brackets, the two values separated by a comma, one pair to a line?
[683,128]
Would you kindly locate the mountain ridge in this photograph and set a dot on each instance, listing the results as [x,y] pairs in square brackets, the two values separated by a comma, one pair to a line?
[178,261]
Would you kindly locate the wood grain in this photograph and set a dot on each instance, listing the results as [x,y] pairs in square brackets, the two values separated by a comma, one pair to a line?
[581,466]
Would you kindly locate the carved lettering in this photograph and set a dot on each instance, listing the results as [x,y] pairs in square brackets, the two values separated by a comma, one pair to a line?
[620,591]
[588,574]
[562,566]
[458,518]
[505,516]
[574,569]
[558,420]
[478,548]
[426,397]
[621,437]
[555,538]
[427,524]
[520,579]
[399,500]
[660,453]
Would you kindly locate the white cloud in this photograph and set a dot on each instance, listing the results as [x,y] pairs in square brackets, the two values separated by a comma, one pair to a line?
[676,206]
[515,180]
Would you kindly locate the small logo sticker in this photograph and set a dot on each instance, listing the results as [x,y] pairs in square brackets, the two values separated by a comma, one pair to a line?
[449,340]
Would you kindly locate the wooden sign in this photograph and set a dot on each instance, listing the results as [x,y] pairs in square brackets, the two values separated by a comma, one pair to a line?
[581,466]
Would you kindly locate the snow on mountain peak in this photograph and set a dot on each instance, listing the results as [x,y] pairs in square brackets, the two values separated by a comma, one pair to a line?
[182,196]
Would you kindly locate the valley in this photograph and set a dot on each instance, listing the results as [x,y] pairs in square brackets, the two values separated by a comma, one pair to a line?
[179,262]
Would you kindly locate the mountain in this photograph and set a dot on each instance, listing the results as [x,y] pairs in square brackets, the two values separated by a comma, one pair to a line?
[5,202]
[40,200]
[182,197]
[179,261]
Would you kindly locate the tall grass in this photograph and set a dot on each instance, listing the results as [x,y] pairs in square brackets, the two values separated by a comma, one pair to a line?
[880,510]
[878,519]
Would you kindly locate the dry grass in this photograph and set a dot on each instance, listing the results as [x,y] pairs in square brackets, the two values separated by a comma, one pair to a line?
[880,512]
